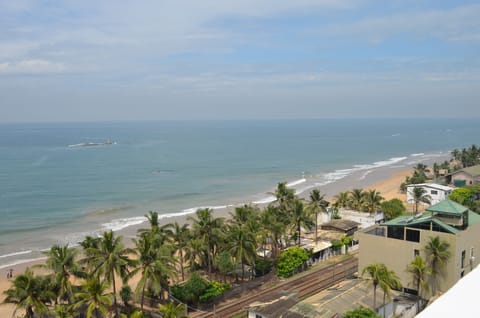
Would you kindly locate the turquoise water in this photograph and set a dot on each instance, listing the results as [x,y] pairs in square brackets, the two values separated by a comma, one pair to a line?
[52,193]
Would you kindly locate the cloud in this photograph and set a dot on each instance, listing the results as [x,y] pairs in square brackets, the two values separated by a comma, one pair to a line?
[455,24]
[31,67]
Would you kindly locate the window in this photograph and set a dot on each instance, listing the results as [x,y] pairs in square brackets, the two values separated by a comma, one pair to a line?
[463,259]
[395,232]
[416,253]
[434,192]
[413,235]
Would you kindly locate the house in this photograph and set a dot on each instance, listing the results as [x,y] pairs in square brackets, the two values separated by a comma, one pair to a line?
[347,227]
[465,176]
[396,242]
[437,192]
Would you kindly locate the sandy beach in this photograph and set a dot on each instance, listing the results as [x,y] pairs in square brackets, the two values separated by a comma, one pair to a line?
[387,183]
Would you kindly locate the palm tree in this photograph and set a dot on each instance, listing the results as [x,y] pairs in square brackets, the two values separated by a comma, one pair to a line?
[94,295]
[207,227]
[375,274]
[342,199]
[372,200]
[316,205]
[437,253]
[154,264]
[388,282]
[242,245]
[31,293]
[179,237]
[420,195]
[357,199]
[419,271]
[170,310]
[195,251]
[300,217]
[61,261]
[274,227]
[110,259]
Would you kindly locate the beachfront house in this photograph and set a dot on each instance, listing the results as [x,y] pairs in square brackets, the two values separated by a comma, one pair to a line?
[465,176]
[437,192]
[396,242]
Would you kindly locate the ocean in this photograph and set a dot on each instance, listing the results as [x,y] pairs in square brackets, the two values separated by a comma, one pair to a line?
[53,191]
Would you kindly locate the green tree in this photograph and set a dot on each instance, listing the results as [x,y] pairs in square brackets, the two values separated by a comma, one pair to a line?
[462,195]
[61,261]
[388,282]
[208,228]
[291,260]
[180,235]
[316,205]
[225,264]
[392,208]
[241,244]
[361,312]
[171,310]
[420,195]
[154,264]
[95,297]
[420,272]
[31,293]
[437,254]
[274,226]
[300,218]
[111,258]
[357,199]
[342,199]
[372,200]
[376,274]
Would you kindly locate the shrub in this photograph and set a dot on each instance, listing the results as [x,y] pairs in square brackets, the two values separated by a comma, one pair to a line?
[360,312]
[198,289]
[392,208]
[262,267]
[214,290]
[291,260]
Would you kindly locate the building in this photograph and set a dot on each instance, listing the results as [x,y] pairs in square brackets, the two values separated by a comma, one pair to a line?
[275,306]
[437,192]
[346,227]
[465,176]
[396,243]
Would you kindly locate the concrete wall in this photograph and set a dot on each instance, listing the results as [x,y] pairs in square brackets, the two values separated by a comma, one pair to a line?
[436,198]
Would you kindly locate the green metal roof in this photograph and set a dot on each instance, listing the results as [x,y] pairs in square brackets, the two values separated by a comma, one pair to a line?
[444,207]
[447,207]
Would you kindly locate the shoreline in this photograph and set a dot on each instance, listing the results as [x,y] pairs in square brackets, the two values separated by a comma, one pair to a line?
[385,180]
[330,183]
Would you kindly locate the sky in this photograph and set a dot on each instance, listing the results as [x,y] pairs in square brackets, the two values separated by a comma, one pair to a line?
[247,59]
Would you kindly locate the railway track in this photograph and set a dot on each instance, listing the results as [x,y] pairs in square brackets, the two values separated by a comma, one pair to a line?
[308,283]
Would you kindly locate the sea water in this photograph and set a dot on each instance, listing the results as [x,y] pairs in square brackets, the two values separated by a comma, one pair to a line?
[51,193]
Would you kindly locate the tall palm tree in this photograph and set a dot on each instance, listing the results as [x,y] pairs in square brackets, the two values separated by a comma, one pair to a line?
[154,264]
[420,272]
[372,200]
[241,244]
[342,199]
[300,217]
[316,205]
[61,261]
[170,310]
[179,237]
[274,226]
[420,195]
[375,272]
[388,282]
[357,199]
[437,254]
[207,227]
[94,294]
[31,293]
[109,259]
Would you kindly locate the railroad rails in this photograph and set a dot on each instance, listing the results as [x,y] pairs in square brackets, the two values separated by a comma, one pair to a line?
[305,284]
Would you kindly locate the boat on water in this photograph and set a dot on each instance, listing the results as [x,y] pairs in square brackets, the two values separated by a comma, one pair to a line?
[92,144]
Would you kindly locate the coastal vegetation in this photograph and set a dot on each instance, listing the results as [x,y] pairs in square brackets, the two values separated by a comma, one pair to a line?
[359,200]
[361,312]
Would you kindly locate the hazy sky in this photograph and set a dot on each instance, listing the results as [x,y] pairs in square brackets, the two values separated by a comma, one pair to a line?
[212,59]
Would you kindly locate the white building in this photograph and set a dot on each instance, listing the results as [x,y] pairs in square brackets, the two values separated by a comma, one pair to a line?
[437,192]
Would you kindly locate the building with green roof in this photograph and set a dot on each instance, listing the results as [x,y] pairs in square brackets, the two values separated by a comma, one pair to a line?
[396,242]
